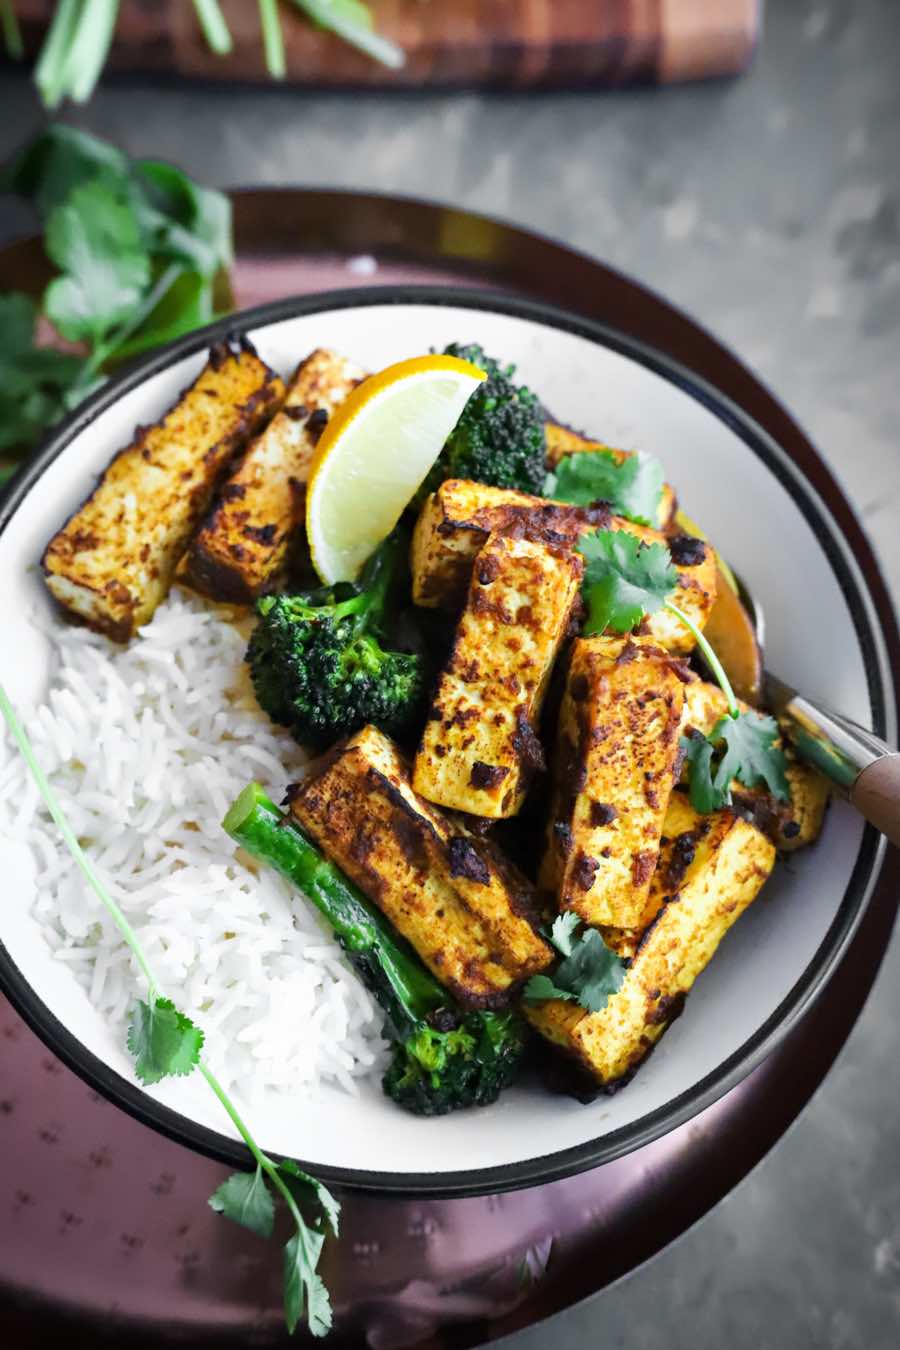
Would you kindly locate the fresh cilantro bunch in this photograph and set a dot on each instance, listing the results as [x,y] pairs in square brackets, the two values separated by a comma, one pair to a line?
[141,253]
[165,1043]
[80,35]
[625,580]
[633,487]
[589,973]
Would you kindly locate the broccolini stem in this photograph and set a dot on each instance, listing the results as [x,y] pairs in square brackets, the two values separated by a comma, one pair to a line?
[388,966]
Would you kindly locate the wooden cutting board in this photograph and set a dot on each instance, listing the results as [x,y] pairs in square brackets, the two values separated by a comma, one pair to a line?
[505,43]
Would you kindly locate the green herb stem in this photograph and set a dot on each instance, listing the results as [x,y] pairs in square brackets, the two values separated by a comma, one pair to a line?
[713,661]
[12,34]
[273,38]
[68,835]
[215,29]
[104,350]
[87,55]
[52,64]
[333,16]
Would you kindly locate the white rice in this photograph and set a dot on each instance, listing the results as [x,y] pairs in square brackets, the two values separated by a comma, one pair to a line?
[147,745]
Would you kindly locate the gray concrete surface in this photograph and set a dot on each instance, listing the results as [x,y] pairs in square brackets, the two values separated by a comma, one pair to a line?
[770,209]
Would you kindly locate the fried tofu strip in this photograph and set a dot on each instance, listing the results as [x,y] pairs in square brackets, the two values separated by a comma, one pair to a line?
[241,546]
[456,520]
[562,441]
[113,561]
[790,825]
[613,775]
[466,911]
[480,747]
[718,876]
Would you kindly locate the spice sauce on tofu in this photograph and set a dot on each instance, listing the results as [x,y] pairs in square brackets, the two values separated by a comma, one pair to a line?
[468,914]
[113,561]
[242,544]
[615,765]
[480,748]
[709,885]
[457,519]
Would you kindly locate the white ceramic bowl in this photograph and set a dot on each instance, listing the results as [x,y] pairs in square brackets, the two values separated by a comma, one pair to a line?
[823,635]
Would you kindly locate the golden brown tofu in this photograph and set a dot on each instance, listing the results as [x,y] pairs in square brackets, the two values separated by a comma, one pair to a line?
[790,825]
[113,561]
[562,441]
[456,520]
[240,547]
[480,747]
[720,875]
[614,771]
[467,912]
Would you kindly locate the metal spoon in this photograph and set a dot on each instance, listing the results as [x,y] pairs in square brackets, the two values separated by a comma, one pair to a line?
[861,765]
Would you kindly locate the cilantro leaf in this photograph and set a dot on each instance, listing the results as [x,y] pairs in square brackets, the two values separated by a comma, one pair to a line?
[742,748]
[751,755]
[624,579]
[590,972]
[541,987]
[58,160]
[163,1041]
[563,931]
[632,486]
[301,1182]
[34,381]
[181,220]
[698,756]
[94,239]
[303,1286]
[246,1199]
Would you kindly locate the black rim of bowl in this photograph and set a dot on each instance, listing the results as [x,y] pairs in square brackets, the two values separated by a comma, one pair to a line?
[851,574]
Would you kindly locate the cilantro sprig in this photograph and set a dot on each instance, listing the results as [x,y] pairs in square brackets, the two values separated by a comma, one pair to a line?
[589,973]
[633,486]
[141,253]
[166,1043]
[81,33]
[626,580]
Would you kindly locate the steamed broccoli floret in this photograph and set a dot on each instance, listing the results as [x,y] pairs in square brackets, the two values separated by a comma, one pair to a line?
[318,666]
[499,439]
[434,1071]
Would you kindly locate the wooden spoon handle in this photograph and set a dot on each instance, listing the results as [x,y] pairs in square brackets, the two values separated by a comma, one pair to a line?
[876,795]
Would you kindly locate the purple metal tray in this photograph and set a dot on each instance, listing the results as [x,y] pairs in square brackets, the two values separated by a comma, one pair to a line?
[104,1229]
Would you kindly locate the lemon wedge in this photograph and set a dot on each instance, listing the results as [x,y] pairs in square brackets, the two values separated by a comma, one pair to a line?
[374,454]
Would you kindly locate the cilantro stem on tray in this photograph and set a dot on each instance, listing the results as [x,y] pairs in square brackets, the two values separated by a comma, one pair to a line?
[212,22]
[12,35]
[166,1043]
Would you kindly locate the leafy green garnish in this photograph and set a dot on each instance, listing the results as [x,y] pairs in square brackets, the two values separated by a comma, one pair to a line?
[632,487]
[589,973]
[246,1199]
[141,251]
[300,1183]
[94,238]
[742,748]
[304,1290]
[624,579]
[34,381]
[165,1042]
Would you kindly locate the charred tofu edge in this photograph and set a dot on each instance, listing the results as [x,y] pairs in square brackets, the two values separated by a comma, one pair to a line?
[234,557]
[493,901]
[113,608]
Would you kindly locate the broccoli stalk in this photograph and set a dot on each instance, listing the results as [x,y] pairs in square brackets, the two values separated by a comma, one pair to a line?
[318,666]
[443,1058]
[500,437]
